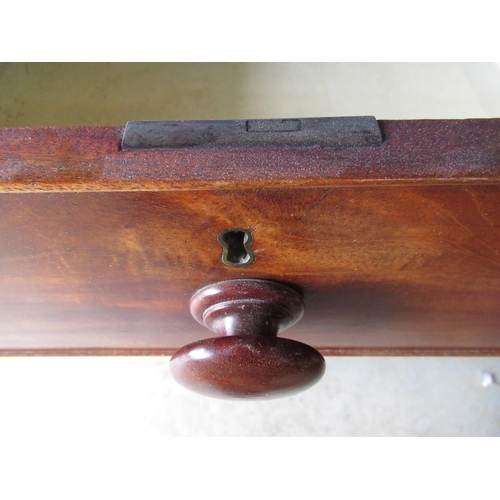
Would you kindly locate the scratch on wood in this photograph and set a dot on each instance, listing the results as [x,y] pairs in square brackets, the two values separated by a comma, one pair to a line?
[480,211]
[306,214]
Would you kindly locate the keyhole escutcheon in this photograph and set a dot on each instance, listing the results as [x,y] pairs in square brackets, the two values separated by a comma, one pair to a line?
[237,247]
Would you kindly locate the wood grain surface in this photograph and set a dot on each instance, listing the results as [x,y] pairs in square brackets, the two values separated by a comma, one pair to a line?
[89,159]
[396,249]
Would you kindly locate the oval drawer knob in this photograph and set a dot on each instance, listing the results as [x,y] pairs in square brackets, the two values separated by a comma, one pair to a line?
[247,359]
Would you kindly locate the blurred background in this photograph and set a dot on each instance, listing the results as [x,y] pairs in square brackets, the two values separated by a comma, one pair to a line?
[359,396]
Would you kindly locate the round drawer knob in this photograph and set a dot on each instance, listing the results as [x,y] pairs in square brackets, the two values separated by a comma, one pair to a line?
[247,359]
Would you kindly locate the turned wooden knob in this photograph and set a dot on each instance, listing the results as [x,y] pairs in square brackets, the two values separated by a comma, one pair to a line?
[247,359]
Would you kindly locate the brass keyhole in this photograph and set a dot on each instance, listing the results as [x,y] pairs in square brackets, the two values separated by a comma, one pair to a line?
[237,247]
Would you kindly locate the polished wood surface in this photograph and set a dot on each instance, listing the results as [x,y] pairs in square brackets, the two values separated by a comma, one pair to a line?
[396,249]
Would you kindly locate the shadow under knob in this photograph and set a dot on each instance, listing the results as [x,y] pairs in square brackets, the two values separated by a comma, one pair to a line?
[247,359]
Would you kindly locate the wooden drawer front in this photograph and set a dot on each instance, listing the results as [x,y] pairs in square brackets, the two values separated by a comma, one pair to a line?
[384,269]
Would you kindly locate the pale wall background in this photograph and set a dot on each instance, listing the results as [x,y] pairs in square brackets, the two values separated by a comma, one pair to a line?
[358,396]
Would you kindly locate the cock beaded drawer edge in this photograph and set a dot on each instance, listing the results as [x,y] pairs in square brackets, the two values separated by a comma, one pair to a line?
[363,237]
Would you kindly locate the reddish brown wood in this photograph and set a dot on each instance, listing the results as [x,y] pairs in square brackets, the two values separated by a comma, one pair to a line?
[247,360]
[89,159]
[395,249]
